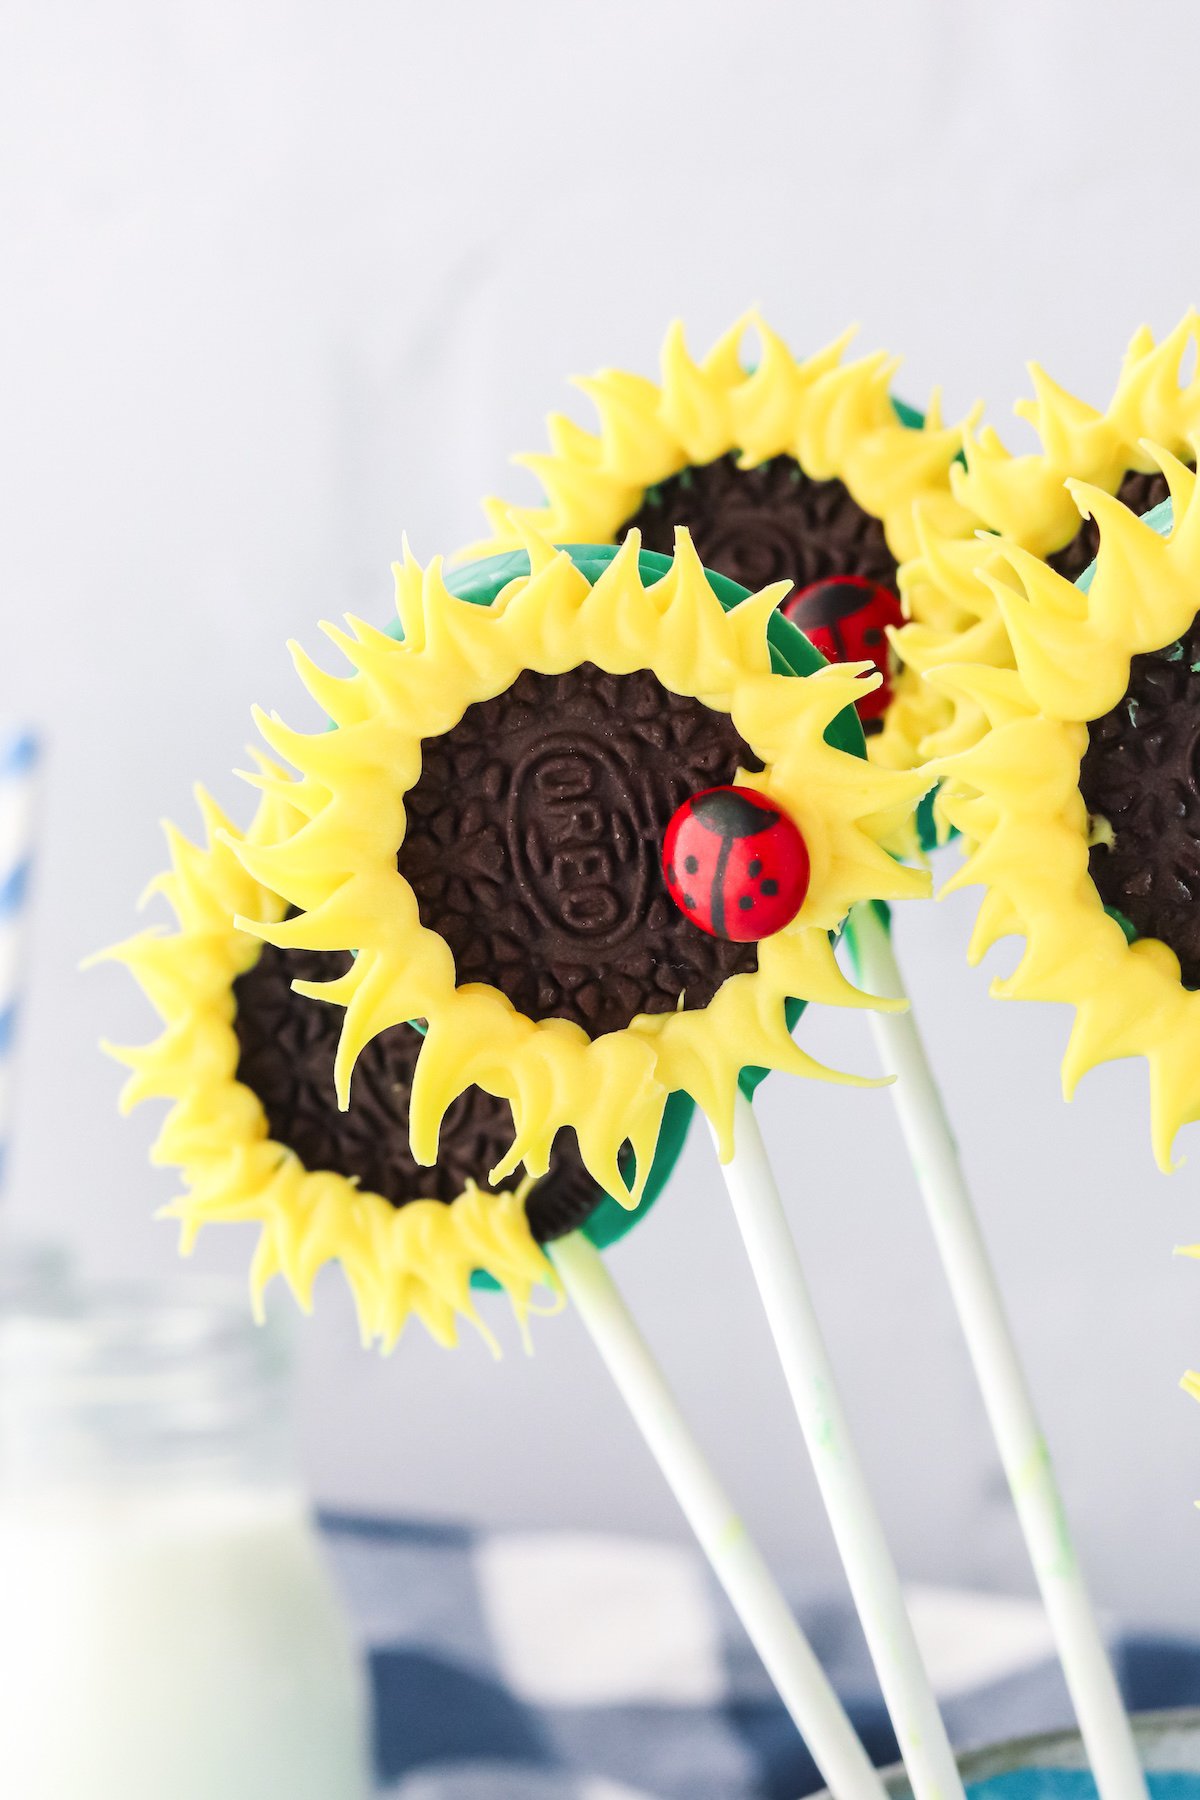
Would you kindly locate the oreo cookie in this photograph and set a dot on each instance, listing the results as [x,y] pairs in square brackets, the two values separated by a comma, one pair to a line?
[534,837]
[769,523]
[1141,773]
[286,1046]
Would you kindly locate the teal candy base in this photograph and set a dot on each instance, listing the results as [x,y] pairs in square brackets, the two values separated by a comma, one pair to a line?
[1161,517]
[1077,1784]
[908,415]
[927,831]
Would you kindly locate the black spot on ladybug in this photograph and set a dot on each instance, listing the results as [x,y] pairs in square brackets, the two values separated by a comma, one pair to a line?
[671,875]
[691,864]
[689,902]
[871,636]
[770,887]
[755,869]
[745,901]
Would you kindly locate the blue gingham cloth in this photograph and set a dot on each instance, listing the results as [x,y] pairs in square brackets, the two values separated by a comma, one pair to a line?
[578,1666]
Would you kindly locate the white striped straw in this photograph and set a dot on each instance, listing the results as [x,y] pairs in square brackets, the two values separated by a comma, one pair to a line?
[19,757]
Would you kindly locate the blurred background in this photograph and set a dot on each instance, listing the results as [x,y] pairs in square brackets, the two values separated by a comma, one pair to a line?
[286,281]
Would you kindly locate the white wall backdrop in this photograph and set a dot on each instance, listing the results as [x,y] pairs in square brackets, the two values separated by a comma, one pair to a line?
[284,280]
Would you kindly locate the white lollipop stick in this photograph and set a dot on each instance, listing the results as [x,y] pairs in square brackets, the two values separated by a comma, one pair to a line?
[874,1583]
[1107,1735]
[803,1685]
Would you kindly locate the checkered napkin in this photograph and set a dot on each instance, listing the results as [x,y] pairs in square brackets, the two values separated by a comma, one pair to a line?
[576,1666]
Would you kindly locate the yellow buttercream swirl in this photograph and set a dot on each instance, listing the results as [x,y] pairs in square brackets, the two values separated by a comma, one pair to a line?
[337,862]
[416,1259]
[1015,793]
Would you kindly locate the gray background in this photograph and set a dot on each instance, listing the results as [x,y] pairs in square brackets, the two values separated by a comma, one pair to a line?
[286,280]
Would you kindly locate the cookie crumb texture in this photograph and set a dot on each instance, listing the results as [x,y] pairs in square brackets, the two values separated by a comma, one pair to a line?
[286,1046]
[1141,772]
[534,841]
[769,523]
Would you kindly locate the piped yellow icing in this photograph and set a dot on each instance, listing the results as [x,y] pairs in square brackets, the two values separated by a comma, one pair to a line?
[948,584]
[416,1259]
[337,859]
[1015,793]
[834,417]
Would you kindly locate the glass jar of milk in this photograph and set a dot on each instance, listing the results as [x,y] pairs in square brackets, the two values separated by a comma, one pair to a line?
[167,1629]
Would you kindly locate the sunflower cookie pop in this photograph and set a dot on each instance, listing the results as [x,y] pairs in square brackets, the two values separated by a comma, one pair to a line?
[803,470]
[963,637]
[1081,798]
[246,1063]
[485,831]
[967,632]
[810,470]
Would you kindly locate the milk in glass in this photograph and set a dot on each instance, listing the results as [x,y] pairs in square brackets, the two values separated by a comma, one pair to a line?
[167,1628]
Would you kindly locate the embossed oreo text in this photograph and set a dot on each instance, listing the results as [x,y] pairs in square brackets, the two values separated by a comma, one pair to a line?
[533,843]
[576,834]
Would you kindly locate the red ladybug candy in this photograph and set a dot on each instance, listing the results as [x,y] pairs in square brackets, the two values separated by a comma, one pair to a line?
[735,865]
[846,618]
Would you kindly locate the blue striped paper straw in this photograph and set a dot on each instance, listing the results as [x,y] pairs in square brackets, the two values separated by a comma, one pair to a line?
[19,757]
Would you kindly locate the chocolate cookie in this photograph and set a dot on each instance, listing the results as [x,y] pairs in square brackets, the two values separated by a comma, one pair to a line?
[1141,772]
[286,1049]
[770,523]
[534,839]
[1139,492]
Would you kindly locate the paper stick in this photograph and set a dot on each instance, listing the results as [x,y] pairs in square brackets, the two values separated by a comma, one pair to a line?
[1103,1722]
[874,1583]
[803,1685]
